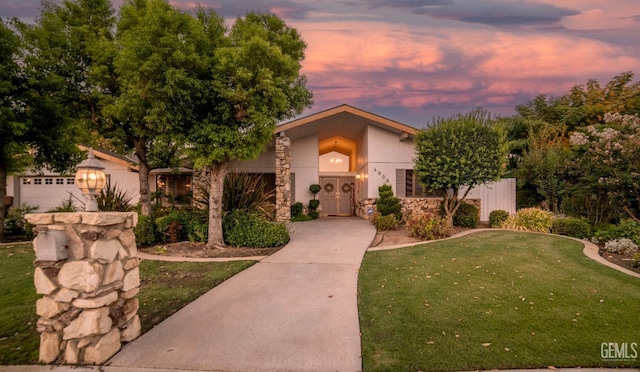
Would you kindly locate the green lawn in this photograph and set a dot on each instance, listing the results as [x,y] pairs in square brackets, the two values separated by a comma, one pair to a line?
[494,300]
[166,287]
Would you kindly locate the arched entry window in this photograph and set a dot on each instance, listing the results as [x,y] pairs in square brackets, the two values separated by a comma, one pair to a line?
[334,162]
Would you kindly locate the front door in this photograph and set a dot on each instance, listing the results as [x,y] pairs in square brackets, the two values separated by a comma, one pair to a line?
[336,196]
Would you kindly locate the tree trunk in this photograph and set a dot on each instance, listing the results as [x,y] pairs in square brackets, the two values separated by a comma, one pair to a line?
[3,193]
[217,174]
[143,176]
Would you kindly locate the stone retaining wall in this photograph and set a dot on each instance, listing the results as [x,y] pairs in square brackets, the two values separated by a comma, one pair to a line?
[89,305]
[410,206]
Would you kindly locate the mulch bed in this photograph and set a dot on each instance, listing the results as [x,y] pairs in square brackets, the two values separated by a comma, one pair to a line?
[191,249]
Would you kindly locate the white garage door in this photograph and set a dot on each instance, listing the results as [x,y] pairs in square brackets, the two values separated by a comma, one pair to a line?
[49,192]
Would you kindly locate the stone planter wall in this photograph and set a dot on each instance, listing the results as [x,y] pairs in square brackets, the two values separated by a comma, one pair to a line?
[89,305]
[410,206]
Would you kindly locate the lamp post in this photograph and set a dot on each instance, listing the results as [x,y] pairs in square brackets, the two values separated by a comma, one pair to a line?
[90,179]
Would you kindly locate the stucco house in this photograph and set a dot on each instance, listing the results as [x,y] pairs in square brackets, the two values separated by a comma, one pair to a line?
[348,151]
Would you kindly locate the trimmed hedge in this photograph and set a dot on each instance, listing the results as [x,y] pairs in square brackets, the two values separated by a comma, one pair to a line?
[248,229]
[467,215]
[571,226]
[497,217]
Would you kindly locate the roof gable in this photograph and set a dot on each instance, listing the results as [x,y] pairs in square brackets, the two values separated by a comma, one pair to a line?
[370,118]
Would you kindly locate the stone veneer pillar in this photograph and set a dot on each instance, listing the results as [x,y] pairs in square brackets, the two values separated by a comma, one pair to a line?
[89,305]
[283,179]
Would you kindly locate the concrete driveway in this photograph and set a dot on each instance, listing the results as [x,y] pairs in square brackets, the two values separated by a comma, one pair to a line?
[293,311]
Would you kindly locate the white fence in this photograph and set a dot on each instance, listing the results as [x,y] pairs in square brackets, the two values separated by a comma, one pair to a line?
[495,195]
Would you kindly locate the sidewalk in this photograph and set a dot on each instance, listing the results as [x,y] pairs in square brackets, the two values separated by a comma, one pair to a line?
[295,310]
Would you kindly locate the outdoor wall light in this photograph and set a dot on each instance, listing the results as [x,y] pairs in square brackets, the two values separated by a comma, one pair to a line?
[90,179]
[357,176]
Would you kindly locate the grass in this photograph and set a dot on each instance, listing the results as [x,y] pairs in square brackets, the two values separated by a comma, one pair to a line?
[494,300]
[165,288]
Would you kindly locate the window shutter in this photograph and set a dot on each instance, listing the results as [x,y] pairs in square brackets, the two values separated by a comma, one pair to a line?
[293,187]
[401,190]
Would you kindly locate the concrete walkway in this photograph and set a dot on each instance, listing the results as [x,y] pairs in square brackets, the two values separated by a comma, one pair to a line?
[293,311]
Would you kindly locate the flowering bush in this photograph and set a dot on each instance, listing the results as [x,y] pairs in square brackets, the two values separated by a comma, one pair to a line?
[530,219]
[622,246]
[608,160]
[428,227]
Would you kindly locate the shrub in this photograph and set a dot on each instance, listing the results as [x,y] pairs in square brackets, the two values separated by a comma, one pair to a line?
[387,204]
[388,222]
[296,209]
[145,231]
[627,228]
[183,224]
[315,188]
[113,199]
[530,219]
[497,217]
[571,226]
[65,206]
[467,215]
[314,204]
[636,260]
[243,191]
[428,227]
[249,229]
[622,246]
[16,225]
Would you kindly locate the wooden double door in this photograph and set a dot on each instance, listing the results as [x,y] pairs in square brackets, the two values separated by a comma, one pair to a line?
[337,195]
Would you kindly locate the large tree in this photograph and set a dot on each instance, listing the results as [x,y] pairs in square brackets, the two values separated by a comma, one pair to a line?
[255,83]
[459,152]
[161,60]
[36,121]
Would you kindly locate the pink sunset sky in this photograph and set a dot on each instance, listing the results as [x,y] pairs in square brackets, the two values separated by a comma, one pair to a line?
[413,60]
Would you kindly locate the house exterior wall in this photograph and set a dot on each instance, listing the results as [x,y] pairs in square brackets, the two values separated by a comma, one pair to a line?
[305,166]
[47,195]
[265,163]
[386,153]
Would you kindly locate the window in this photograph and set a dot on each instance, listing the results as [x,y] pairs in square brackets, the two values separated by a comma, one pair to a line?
[409,186]
[26,181]
[59,181]
[71,181]
[48,181]
[176,188]
[37,181]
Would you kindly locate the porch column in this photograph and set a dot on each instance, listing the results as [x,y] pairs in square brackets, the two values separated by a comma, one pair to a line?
[283,178]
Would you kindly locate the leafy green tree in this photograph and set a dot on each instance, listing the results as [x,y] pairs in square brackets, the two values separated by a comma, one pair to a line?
[36,126]
[545,164]
[585,104]
[462,151]
[255,82]
[161,55]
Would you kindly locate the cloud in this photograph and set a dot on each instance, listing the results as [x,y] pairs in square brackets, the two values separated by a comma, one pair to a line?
[25,9]
[426,68]
[287,9]
[498,13]
[487,12]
